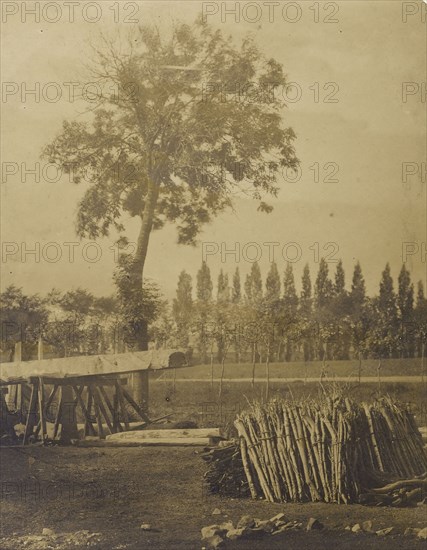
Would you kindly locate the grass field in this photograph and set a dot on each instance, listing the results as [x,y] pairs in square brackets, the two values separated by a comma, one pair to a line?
[313,369]
[191,393]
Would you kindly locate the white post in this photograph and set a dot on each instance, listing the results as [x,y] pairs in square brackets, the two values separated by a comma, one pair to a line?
[40,349]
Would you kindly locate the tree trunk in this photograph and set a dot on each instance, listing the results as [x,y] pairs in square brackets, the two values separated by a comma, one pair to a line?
[140,379]
[267,373]
[253,367]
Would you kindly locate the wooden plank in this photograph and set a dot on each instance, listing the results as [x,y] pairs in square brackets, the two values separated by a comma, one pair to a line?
[106,380]
[184,442]
[201,433]
[140,426]
[89,365]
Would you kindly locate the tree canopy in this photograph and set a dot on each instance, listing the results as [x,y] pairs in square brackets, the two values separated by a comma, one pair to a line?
[188,109]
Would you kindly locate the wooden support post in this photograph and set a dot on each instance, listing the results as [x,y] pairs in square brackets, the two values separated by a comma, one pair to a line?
[58,415]
[50,398]
[68,416]
[32,412]
[5,418]
[98,401]
[17,356]
[88,422]
[12,397]
[116,421]
[140,389]
[116,414]
[119,392]
[14,390]
[42,416]
[101,434]
[40,349]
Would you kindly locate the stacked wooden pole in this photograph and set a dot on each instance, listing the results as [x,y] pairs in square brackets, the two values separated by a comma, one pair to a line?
[328,450]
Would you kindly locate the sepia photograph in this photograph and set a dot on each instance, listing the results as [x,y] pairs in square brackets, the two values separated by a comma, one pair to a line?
[213,284]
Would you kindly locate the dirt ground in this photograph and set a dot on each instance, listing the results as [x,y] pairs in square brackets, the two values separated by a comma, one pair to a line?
[99,498]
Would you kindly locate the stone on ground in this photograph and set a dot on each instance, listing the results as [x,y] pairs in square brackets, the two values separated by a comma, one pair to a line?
[384,532]
[246,521]
[267,526]
[314,523]
[411,531]
[279,519]
[226,526]
[214,542]
[211,530]
[367,526]
[236,534]
[288,526]
[422,533]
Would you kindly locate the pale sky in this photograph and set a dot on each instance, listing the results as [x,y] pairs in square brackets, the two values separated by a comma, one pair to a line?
[366,57]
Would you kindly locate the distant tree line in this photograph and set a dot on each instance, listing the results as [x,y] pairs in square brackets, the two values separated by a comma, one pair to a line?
[74,322]
[270,321]
[251,321]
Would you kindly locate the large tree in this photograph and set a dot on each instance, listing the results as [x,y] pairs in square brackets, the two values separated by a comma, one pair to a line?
[236,292]
[382,340]
[323,294]
[290,325]
[253,286]
[188,107]
[340,308]
[405,302]
[204,311]
[182,308]
[420,321]
[360,319]
[305,314]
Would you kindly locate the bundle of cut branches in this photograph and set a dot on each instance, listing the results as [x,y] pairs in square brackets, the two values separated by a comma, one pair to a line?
[225,475]
[328,450]
[403,492]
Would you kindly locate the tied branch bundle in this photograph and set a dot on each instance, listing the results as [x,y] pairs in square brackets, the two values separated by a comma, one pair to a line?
[331,450]
[225,475]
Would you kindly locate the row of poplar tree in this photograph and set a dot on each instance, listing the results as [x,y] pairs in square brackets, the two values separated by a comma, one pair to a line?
[270,320]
